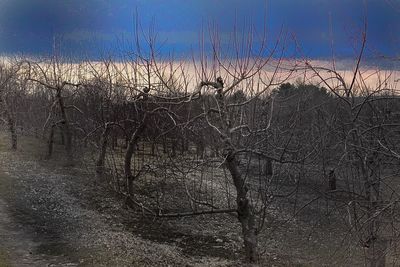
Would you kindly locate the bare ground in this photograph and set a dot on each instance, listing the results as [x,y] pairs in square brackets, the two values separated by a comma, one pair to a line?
[57,216]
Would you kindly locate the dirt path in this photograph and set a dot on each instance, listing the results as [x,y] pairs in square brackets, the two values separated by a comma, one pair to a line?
[50,218]
[18,245]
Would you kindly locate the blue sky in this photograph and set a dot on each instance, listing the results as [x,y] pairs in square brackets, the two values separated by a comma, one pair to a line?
[92,27]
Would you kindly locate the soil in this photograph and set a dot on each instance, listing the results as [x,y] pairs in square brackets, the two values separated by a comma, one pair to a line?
[52,215]
[57,215]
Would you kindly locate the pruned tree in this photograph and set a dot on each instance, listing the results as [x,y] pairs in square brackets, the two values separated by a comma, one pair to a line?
[59,79]
[362,124]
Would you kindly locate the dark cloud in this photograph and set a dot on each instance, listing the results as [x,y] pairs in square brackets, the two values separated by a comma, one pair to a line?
[29,25]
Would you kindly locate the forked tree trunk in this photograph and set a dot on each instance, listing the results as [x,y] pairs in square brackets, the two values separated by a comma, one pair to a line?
[245,212]
[129,177]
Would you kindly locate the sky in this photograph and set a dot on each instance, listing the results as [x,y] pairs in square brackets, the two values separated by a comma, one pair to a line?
[94,27]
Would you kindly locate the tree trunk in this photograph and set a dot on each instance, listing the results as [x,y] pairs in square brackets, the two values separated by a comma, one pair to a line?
[128,156]
[164,140]
[126,141]
[200,150]
[102,153]
[173,147]
[153,147]
[13,133]
[65,126]
[376,253]
[245,212]
[50,142]
[268,167]
[62,139]
[184,144]
[11,125]
[378,245]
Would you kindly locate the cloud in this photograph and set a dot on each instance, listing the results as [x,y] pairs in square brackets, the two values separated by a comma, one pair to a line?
[29,25]
[82,35]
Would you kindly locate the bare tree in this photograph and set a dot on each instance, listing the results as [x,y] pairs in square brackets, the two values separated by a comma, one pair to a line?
[58,77]
[363,129]
[11,86]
